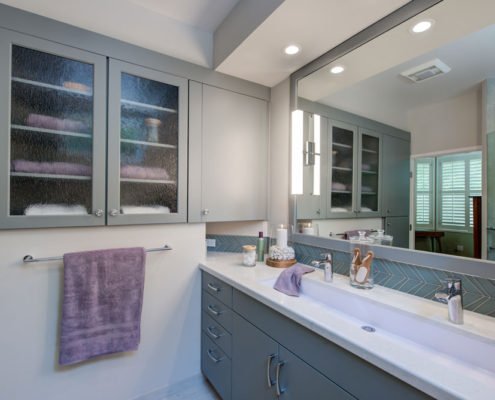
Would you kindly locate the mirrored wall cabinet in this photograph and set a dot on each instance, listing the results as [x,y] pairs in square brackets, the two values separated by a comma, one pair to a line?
[353,177]
[55,168]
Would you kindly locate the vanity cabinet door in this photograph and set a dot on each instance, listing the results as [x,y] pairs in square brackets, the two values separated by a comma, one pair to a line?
[228,141]
[395,176]
[368,174]
[254,357]
[298,380]
[342,183]
[147,140]
[52,134]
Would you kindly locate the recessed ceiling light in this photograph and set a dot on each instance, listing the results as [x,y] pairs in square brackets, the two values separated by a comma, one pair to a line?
[422,26]
[338,69]
[292,49]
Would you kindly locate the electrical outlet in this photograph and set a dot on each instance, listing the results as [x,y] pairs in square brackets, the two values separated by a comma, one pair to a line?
[460,248]
[211,243]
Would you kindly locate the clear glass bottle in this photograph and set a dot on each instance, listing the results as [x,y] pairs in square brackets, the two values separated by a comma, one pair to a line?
[380,238]
[361,268]
[249,255]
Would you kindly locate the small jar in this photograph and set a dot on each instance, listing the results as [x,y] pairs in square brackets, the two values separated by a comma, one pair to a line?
[249,255]
[152,126]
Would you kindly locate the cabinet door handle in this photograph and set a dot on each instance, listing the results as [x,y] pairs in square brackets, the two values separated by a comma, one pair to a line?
[213,358]
[213,287]
[212,333]
[205,211]
[99,213]
[277,378]
[113,212]
[213,310]
[270,382]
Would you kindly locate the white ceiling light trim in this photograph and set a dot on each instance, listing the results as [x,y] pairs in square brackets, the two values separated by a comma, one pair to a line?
[422,26]
[292,49]
[337,69]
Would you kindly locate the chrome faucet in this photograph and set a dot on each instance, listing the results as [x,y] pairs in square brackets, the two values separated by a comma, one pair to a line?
[453,298]
[326,264]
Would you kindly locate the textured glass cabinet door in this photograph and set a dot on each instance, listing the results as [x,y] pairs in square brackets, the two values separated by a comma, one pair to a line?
[147,146]
[341,168]
[369,182]
[53,138]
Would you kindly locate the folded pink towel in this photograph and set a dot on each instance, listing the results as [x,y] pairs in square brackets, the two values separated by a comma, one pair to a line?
[59,124]
[289,281]
[137,172]
[338,186]
[54,168]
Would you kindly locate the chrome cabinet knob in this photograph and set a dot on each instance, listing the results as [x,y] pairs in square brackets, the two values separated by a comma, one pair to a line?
[113,212]
[205,211]
[99,213]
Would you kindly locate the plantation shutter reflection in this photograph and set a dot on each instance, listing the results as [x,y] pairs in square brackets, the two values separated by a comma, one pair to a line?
[424,193]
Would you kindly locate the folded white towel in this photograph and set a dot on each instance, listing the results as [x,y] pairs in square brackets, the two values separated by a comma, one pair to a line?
[144,210]
[339,209]
[55,209]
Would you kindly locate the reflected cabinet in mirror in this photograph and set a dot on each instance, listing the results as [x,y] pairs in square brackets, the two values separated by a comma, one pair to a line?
[395,142]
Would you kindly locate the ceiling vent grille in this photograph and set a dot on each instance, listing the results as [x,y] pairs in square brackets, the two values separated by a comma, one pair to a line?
[426,71]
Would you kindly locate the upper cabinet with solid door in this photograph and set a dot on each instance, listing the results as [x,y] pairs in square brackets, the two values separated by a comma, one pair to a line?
[147,146]
[56,168]
[228,142]
[52,134]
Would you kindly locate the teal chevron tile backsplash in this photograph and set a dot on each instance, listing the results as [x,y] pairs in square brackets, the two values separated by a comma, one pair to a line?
[479,294]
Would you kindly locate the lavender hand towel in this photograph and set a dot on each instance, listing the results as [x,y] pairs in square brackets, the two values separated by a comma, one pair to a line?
[54,168]
[289,281]
[102,302]
[137,172]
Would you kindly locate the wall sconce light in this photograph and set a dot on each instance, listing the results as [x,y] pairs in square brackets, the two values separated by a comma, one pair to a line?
[297,152]
[317,154]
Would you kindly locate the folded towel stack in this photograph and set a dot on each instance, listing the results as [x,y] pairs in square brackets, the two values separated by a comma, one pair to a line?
[58,124]
[102,303]
[137,172]
[289,281]
[144,210]
[55,209]
[53,168]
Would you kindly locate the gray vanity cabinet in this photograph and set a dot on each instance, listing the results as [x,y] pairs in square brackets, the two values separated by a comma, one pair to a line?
[52,134]
[147,144]
[228,142]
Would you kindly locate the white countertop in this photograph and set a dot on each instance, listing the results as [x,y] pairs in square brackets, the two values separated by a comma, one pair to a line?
[435,373]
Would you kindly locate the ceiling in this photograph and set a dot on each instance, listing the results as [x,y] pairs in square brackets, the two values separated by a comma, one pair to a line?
[371,86]
[185,28]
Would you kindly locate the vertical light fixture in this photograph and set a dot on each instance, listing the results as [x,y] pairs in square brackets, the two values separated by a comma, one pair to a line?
[317,139]
[297,152]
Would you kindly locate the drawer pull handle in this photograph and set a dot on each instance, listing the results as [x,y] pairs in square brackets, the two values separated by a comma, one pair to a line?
[213,334]
[277,378]
[213,287]
[269,379]
[213,310]
[213,358]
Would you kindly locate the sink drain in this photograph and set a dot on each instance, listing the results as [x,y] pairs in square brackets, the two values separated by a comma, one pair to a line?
[368,328]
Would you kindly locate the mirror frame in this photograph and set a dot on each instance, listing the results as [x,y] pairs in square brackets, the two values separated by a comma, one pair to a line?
[456,264]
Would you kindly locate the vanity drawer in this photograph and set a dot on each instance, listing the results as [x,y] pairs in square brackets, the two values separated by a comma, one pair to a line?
[217,334]
[217,310]
[217,288]
[216,366]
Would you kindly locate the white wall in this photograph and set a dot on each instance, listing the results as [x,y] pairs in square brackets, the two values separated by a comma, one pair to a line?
[449,125]
[30,310]
[243,228]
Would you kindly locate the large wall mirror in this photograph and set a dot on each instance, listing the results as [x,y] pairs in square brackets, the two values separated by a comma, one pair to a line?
[397,135]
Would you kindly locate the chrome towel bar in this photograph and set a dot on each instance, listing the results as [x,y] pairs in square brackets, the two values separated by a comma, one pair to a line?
[30,259]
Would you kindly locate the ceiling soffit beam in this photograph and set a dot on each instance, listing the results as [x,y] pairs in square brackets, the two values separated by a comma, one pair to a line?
[244,19]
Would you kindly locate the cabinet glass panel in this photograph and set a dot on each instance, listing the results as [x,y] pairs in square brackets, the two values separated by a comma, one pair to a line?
[51,130]
[149,134]
[370,148]
[342,167]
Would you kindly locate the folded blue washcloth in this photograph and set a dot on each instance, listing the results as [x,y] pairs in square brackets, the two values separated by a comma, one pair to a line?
[289,281]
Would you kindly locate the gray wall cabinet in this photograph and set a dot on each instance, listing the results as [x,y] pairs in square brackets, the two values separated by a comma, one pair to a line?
[228,142]
[272,356]
[398,227]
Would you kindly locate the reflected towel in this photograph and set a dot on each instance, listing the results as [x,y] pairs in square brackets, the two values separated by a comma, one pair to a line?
[289,281]
[144,210]
[54,168]
[102,302]
[137,172]
[58,124]
[55,209]
[338,186]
